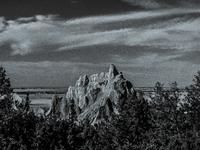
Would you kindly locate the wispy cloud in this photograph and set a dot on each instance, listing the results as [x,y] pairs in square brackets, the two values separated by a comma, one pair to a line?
[62,74]
[146,60]
[170,34]
[34,34]
[154,4]
[46,73]
[145,3]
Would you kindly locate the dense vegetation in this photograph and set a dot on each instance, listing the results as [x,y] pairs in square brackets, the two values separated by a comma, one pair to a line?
[159,124]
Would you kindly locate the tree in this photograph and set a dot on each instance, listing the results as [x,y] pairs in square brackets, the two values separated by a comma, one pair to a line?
[5,91]
[5,86]
[159,88]
[193,98]
[27,103]
[132,123]
[173,87]
[72,111]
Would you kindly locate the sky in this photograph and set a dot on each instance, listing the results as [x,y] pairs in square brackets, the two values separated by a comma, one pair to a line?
[52,43]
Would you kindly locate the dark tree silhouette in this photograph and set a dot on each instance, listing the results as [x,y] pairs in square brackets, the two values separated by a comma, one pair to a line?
[72,111]
[159,88]
[5,86]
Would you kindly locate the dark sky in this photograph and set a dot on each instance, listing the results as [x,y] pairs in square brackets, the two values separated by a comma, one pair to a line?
[52,43]
[13,9]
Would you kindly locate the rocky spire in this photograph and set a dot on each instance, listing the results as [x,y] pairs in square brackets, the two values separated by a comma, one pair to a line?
[82,81]
[112,71]
[91,95]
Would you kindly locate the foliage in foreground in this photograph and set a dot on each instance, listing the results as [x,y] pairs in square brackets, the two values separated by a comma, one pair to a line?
[139,125]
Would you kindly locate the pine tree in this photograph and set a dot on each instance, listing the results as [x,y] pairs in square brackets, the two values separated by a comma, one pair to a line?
[27,103]
[72,111]
[132,123]
[194,101]
[159,88]
[5,91]
[5,87]
[173,87]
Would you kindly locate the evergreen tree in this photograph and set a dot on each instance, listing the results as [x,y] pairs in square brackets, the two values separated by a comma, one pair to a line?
[193,108]
[72,111]
[174,90]
[5,87]
[88,136]
[27,103]
[5,90]
[173,87]
[159,88]
[132,123]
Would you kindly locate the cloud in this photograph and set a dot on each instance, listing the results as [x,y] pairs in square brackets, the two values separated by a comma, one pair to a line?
[151,4]
[147,70]
[45,73]
[142,71]
[157,45]
[175,29]
[3,24]
[146,60]
[155,4]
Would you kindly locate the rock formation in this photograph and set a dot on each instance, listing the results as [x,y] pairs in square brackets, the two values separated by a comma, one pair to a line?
[95,97]
[16,100]
[38,111]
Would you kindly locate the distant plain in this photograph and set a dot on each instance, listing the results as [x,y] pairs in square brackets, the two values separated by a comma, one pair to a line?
[41,97]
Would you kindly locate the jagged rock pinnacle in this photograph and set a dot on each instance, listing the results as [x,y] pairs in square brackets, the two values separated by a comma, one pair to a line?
[82,81]
[112,71]
[94,96]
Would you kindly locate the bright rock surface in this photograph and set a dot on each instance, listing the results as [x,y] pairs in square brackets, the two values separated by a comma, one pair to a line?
[95,97]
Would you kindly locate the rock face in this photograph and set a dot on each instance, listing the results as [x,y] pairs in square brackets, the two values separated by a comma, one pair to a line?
[95,97]
[16,99]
